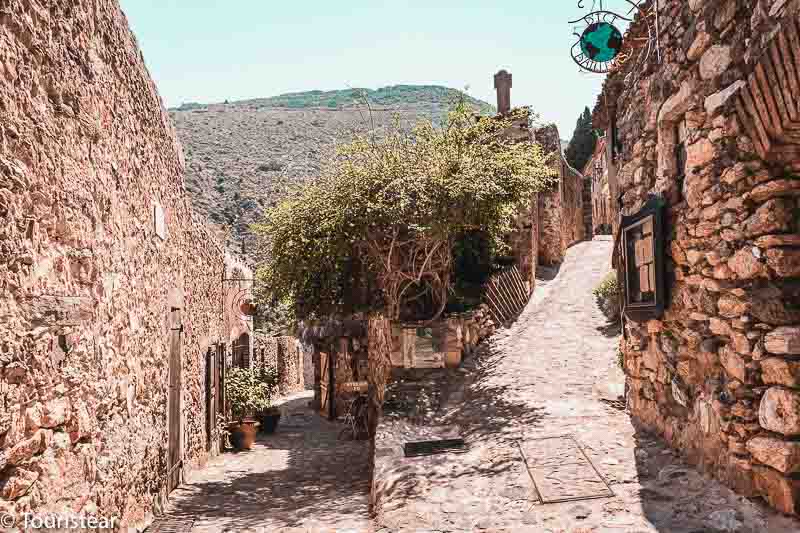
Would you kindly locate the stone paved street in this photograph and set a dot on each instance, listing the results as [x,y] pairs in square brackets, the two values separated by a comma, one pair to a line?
[554,373]
[299,479]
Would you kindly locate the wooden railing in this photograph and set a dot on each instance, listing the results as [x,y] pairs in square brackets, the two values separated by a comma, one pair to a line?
[506,294]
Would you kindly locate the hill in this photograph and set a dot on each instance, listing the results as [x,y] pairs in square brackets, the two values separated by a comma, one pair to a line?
[396,95]
[242,156]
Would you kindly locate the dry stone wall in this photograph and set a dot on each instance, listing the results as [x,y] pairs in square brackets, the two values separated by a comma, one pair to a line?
[287,357]
[596,170]
[717,376]
[98,249]
[560,210]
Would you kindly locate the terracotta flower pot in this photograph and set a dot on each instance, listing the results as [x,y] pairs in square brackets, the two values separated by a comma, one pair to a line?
[243,434]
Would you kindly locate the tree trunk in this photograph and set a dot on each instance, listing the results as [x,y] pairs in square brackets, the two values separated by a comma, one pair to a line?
[379,335]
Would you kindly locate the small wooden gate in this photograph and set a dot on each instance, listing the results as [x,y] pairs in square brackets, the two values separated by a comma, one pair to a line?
[327,386]
[174,403]
[222,365]
[507,295]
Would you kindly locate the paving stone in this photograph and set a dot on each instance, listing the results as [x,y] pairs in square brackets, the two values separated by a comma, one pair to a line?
[547,376]
[294,480]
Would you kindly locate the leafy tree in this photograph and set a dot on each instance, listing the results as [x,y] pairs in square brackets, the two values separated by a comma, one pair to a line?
[390,211]
[581,146]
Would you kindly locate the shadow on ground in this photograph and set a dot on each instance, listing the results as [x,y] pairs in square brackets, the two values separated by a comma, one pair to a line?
[612,329]
[676,496]
[301,473]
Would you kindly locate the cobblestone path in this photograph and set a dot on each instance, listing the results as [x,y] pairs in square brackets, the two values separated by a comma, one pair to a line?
[299,479]
[554,373]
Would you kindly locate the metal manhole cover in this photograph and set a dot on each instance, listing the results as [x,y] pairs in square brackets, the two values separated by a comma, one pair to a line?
[171,525]
[561,471]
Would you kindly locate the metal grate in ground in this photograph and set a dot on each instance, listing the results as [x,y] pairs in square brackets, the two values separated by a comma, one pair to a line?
[561,471]
[171,525]
[431,447]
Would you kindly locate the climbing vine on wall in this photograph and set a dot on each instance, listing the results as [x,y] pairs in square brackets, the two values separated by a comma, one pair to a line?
[395,206]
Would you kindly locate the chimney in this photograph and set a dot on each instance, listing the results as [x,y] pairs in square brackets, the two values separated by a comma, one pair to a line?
[502,82]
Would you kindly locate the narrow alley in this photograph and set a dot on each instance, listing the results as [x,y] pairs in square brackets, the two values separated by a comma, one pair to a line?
[300,479]
[553,374]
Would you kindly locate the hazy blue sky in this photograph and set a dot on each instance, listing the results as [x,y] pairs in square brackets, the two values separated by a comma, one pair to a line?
[212,50]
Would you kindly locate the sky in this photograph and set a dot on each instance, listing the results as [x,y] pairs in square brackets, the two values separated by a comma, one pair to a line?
[210,50]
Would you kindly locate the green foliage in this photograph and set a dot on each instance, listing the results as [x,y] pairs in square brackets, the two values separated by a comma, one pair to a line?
[385,96]
[277,318]
[427,187]
[583,142]
[268,376]
[608,288]
[188,106]
[248,391]
[607,296]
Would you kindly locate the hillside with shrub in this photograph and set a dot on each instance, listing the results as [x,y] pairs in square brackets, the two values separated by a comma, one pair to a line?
[242,156]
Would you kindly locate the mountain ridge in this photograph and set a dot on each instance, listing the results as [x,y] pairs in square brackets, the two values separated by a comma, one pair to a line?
[342,98]
[242,156]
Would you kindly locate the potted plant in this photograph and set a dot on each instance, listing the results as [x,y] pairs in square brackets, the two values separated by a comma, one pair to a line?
[247,395]
[269,416]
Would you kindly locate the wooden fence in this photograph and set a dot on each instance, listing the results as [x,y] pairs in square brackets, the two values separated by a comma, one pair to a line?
[506,294]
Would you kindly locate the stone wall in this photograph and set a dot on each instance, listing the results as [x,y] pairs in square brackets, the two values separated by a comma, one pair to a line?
[560,210]
[718,375]
[596,172]
[286,355]
[99,250]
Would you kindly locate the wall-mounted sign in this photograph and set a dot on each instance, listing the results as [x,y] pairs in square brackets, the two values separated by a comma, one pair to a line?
[600,41]
[644,255]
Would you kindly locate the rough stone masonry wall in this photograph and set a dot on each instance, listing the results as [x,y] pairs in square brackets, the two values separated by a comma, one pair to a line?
[719,375]
[560,210]
[286,356]
[86,285]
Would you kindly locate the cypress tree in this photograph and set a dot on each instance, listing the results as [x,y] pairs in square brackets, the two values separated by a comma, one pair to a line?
[581,146]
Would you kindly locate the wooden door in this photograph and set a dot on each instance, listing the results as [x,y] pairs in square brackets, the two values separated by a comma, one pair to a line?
[220,378]
[326,385]
[211,396]
[174,403]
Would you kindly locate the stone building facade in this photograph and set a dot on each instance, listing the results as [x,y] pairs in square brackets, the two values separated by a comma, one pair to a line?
[712,129]
[555,219]
[110,288]
[596,173]
[560,210]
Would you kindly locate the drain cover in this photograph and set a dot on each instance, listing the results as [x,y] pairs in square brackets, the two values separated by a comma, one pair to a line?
[431,447]
[171,525]
[561,471]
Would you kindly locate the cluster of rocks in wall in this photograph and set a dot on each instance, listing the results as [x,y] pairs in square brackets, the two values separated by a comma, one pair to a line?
[287,356]
[596,172]
[98,249]
[718,376]
[560,210]
[554,219]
